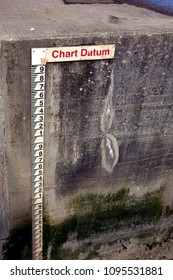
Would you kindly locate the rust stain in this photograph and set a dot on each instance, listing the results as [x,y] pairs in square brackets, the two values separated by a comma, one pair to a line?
[47,12]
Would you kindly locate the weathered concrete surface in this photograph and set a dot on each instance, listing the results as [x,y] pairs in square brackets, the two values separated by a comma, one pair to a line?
[108,124]
[51,19]
[4,218]
[139,113]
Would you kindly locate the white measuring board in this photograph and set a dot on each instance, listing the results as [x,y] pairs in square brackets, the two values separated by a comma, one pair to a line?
[40,56]
[37,151]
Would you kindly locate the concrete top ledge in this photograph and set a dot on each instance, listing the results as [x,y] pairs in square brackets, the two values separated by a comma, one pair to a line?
[23,19]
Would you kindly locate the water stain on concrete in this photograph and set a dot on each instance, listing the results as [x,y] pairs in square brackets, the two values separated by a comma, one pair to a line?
[109,144]
[110,152]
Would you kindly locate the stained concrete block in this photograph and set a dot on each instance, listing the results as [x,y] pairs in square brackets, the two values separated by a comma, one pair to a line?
[123,125]
[4,207]
[108,123]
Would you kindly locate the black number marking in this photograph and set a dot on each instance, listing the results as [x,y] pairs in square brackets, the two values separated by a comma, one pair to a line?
[41,69]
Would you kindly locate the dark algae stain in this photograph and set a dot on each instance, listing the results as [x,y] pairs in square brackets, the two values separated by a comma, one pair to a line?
[19,245]
[98,213]
[93,214]
[57,234]
[90,215]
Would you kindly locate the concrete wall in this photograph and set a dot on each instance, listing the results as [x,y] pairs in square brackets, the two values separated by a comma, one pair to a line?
[3,178]
[108,128]
[95,108]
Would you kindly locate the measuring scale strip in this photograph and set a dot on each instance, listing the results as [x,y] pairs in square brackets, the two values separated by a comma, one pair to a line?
[37,133]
